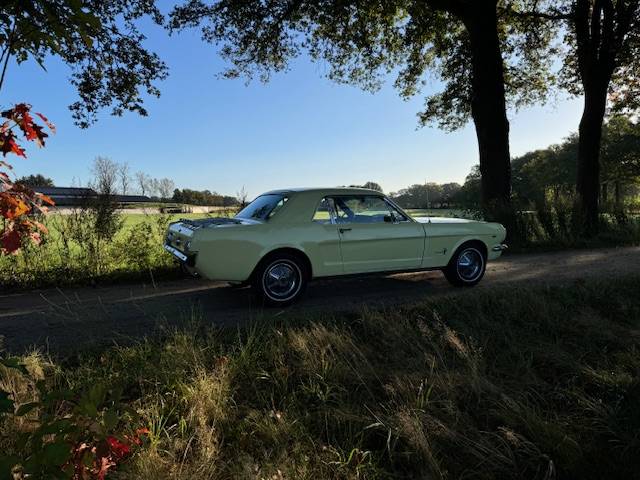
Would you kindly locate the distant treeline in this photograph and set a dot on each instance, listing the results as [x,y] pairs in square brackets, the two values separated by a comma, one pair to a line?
[428,195]
[204,197]
[545,174]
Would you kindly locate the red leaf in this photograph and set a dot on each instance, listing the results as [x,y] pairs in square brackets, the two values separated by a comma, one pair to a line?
[51,126]
[15,148]
[10,241]
[118,448]
[45,198]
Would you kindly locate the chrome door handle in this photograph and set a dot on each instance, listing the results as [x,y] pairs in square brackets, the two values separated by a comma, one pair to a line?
[342,230]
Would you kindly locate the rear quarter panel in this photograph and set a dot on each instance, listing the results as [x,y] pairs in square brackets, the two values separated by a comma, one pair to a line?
[232,253]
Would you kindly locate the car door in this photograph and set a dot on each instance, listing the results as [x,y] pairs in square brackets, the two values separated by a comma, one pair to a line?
[324,249]
[375,236]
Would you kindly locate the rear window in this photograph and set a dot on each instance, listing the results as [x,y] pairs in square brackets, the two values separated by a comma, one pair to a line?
[263,208]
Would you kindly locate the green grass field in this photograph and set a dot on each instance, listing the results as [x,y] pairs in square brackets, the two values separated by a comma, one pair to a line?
[512,383]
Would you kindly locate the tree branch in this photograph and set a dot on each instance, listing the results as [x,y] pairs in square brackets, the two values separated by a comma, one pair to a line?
[7,52]
[552,14]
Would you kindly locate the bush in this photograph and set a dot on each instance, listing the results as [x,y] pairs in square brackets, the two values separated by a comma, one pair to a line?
[83,247]
[59,433]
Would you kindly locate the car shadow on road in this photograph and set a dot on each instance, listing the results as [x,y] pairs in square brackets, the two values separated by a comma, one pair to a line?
[68,325]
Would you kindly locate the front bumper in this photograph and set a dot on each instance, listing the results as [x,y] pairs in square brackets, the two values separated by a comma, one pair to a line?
[189,260]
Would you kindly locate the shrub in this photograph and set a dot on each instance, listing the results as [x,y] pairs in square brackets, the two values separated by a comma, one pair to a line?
[59,433]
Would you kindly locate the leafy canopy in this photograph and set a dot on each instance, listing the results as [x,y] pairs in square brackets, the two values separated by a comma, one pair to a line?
[36,180]
[363,43]
[99,40]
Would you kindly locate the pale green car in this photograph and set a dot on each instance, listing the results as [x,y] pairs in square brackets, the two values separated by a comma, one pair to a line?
[284,238]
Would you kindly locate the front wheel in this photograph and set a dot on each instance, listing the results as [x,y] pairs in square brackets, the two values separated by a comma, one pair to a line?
[467,266]
[280,280]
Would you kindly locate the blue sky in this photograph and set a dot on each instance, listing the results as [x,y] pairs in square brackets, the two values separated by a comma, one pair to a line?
[298,130]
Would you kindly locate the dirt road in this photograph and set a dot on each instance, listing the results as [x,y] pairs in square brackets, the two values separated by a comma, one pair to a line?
[78,318]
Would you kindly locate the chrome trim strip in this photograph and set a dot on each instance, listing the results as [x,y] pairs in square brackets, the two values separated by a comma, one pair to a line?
[176,253]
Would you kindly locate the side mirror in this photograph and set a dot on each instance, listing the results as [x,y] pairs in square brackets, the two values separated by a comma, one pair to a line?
[389,219]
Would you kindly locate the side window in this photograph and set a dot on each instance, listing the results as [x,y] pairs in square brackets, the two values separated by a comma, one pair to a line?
[323,212]
[362,209]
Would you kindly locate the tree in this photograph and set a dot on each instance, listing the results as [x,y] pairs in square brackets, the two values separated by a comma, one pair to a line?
[105,176]
[178,197]
[469,195]
[449,192]
[37,180]
[552,170]
[125,177]
[143,180]
[154,187]
[620,156]
[165,187]
[604,39]
[241,197]
[373,186]
[99,40]
[460,41]
[425,195]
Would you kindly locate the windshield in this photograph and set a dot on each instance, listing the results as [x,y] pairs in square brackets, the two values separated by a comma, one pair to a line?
[262,208]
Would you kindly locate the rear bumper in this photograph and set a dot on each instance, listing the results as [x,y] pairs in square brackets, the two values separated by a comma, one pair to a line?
[500,248]
[189,260]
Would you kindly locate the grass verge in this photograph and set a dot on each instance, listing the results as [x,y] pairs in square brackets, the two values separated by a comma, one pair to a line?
[536,383]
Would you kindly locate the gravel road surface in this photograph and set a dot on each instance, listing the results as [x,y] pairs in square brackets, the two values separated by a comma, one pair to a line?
[64,320]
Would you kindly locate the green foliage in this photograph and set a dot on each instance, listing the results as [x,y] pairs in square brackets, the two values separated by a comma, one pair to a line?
[63,434]
[100,41]
[205,197]
[427,195]
[475,385]
[75,251]
[139,245]
[549,174]
[370,185]
[363,44]
[37,180]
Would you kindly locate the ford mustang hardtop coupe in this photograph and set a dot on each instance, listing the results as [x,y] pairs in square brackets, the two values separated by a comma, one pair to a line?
[285,238]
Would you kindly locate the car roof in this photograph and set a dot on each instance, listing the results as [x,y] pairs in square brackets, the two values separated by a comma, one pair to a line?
[326,191]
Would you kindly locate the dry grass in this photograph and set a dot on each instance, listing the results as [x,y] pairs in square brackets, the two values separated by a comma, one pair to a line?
[517,383]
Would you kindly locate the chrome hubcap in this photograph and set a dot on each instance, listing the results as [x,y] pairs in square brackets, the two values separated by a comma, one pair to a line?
[281,280]
[470,264]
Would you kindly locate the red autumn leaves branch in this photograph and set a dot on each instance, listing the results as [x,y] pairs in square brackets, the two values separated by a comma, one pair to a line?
[18,203]
[94,461]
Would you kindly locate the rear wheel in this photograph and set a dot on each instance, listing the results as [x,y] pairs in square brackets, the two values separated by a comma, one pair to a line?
[467,266]
[281,279]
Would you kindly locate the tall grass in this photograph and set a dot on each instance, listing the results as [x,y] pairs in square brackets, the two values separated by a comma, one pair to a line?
[515,383]
[79,250]
[558,223]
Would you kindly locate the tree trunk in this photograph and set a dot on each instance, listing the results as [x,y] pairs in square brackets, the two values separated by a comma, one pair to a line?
[604,192]
[488,105]
[617,193]
[588,179]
